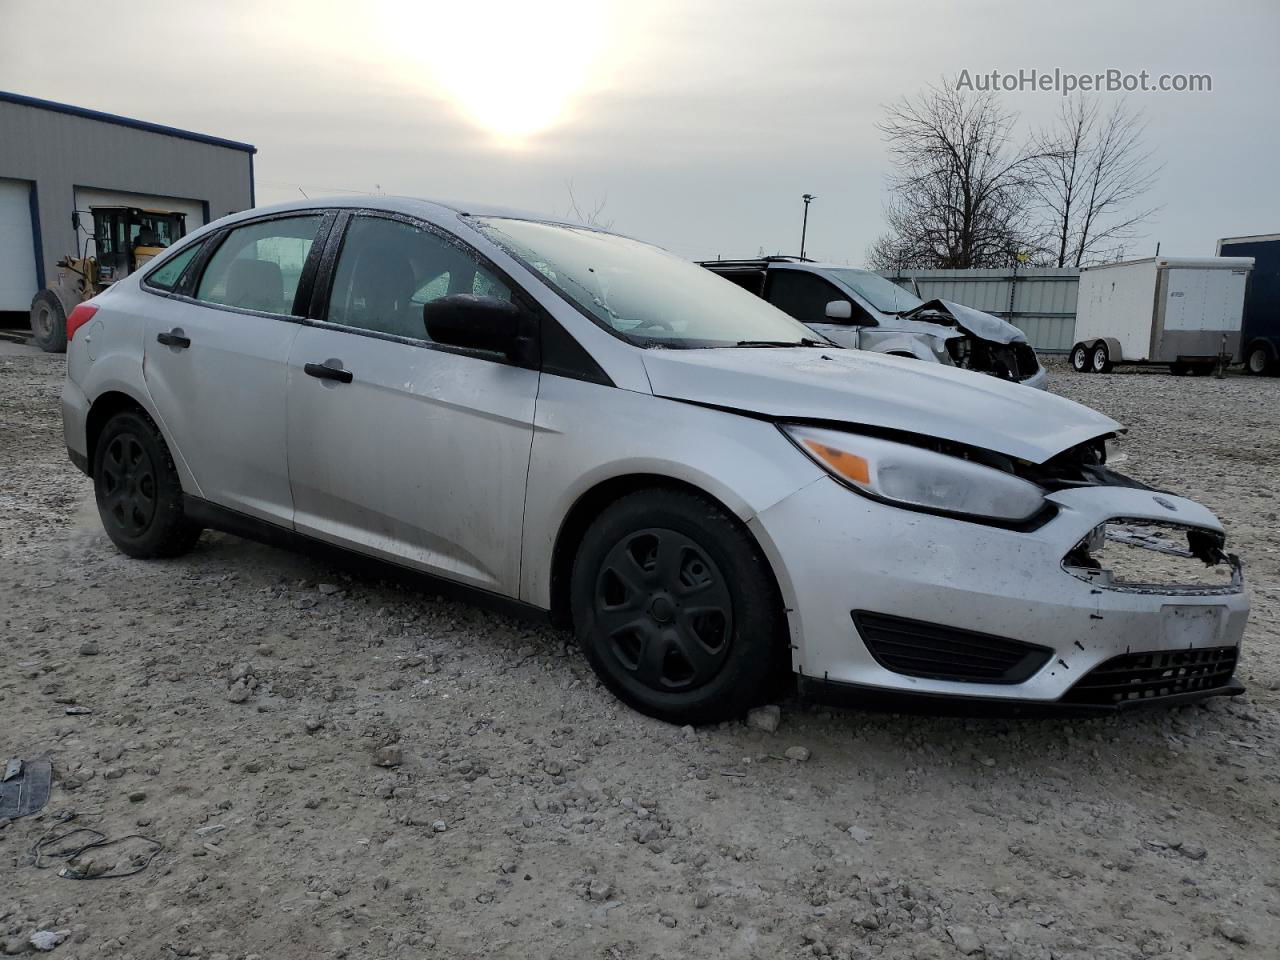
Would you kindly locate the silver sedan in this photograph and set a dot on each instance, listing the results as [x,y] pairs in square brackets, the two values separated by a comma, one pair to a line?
[580,426]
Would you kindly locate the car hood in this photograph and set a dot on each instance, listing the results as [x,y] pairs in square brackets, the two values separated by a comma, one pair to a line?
[979,324]
[875,390]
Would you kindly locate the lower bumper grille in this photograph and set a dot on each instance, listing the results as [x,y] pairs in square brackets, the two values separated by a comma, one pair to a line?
[937,652]
[1152,676]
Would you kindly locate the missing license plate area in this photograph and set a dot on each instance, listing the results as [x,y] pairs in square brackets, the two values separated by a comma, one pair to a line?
[1141,556]
[1191,626]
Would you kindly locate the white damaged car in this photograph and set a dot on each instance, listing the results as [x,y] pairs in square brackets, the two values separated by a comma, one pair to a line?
[863,310]
[579,426]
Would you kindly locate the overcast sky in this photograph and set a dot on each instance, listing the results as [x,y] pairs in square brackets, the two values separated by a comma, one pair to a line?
[701,122]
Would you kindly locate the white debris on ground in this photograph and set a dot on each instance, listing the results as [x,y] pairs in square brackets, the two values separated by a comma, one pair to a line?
[339,766]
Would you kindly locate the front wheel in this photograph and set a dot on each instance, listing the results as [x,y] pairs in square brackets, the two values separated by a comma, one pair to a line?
[138,491]
[676,610]
[1080,358]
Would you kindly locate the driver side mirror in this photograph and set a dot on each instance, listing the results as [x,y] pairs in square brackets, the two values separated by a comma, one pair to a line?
[839,310]
[479,323]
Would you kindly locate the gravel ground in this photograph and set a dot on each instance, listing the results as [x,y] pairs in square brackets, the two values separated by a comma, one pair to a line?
[341,766]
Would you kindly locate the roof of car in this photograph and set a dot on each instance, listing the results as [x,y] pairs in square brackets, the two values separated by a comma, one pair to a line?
[774,263]
[419,206]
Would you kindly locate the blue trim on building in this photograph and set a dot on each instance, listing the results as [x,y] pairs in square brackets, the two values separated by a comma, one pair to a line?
[36,240]
[253,187]
[205,205]
[98,115]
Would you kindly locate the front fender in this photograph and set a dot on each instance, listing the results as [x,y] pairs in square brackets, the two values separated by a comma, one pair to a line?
[586,435]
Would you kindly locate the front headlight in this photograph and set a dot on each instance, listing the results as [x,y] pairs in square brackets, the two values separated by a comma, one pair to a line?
[915,477]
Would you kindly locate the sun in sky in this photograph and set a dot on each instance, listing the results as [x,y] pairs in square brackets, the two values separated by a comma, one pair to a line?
[512,67]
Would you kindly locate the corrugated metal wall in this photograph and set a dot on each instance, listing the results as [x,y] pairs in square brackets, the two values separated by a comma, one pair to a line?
[60,151]
[1043,303]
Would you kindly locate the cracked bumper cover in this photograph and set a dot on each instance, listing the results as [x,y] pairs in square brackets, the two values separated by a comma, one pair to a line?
[837,552]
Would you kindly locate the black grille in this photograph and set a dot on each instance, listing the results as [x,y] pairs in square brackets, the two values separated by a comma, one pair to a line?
[1150,676]
[938,652]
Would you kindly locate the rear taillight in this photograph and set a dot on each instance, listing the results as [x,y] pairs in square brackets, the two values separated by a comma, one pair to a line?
[79,317]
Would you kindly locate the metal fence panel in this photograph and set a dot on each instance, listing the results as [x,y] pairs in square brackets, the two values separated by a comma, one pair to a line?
[1040,301]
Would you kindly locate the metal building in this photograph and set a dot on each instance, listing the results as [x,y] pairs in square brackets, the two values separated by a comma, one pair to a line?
[56,159]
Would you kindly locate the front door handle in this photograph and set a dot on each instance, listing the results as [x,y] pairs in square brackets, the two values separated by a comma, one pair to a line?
[328,371]
[174,338]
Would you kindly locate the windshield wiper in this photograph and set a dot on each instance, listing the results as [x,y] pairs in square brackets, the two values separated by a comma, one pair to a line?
[802,342]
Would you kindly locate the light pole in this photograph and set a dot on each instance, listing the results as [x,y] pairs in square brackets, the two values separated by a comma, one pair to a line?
[807,198]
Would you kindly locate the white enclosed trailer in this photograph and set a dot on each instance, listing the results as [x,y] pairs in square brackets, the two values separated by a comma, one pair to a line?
[1183,311]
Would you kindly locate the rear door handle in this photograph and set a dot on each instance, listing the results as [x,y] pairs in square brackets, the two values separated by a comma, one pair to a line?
[174,338]
[325,371]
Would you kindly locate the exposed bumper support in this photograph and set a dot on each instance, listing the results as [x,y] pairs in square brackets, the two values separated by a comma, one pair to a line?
[862,697]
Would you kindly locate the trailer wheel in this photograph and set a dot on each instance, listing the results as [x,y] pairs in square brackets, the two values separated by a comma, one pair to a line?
[1258,361]
[49,322]
[1179,369]
[1100,359]
[1080,359]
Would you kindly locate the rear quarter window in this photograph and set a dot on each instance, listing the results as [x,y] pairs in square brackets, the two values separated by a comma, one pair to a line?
[169,273]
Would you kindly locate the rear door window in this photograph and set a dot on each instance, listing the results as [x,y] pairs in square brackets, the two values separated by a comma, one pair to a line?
[258,266]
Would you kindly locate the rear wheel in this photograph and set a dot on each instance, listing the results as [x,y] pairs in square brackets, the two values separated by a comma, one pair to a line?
[676,610]
[138,491]
[1258,360]
[49,322]
[1080,359]
[1100,359]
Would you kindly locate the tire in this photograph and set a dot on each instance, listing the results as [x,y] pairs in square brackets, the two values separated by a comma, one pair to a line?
[1258,360]
[1080,359]
[49,322]
[1100,359]
[1202,369]
[1179,369]
[644,566]
[137,489]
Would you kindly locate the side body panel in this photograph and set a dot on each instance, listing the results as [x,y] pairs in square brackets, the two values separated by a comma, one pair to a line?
[107,357]
[223,399]
[422,457]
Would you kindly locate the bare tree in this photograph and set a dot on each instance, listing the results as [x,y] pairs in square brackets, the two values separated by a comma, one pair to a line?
[1091,168]
[588,214]
[962,194]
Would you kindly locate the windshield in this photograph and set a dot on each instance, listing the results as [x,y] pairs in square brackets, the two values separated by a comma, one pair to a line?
[651,297]
[885,295]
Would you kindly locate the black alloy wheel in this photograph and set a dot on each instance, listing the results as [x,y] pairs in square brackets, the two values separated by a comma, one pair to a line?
[664,609]
[138,490]
[128,485]
[676,609]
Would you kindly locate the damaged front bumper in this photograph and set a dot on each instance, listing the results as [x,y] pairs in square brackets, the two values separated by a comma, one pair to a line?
[883,600]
